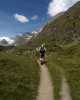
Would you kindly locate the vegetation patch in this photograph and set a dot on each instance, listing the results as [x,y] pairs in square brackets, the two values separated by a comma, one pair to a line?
[55,75]
[67,61]
[19,77]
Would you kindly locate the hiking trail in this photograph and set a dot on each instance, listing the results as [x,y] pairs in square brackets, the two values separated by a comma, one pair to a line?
[45,91]
[65,90]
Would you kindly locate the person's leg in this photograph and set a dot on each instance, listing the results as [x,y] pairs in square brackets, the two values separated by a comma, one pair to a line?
[42,59]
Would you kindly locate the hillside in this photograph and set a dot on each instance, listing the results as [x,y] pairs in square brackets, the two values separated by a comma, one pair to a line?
[20,73]
[19,77]
[62,39]
[63,30]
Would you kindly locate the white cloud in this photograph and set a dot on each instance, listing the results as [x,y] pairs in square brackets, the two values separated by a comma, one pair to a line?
[57,6]
[21,18]
[34,32]
[9,40]
[35,17]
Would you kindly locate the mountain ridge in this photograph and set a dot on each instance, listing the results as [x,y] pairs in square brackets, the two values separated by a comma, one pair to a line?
[63,30]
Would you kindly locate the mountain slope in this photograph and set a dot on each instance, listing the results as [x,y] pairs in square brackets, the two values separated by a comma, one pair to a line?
[63,30]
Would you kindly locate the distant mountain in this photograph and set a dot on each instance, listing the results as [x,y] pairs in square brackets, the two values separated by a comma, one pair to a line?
[6,41]
[34,33]
[23,38]
[26,34]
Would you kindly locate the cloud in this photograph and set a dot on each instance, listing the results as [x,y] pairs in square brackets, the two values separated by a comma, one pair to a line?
[57,6]
[35,17]
[9,40]
[21,18]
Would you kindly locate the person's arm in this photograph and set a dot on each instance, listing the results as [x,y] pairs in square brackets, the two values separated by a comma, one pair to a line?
[45,49]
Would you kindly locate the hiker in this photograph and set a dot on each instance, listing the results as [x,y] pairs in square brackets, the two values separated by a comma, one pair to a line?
[42,53]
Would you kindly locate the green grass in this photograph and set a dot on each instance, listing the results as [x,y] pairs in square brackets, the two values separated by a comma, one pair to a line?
[68,61]
[19,77]
[55,75]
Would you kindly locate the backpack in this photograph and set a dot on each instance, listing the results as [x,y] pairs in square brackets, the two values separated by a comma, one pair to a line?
[42,50]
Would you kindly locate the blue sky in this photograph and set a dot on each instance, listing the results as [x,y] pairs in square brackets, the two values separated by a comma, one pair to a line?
[19,16]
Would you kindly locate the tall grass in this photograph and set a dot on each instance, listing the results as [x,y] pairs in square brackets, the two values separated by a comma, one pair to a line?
[19,77]
[68,61]
[55,75]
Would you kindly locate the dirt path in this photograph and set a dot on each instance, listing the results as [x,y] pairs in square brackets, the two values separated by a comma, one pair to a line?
[45,89]
[65,90]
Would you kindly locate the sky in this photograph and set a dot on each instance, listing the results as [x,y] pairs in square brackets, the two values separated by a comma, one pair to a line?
[20,16]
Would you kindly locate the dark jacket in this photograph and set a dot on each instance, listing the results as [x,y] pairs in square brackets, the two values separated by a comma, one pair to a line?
[42,52]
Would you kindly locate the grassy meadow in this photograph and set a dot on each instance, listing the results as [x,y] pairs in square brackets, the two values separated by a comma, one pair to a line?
[19,77]
[67,61]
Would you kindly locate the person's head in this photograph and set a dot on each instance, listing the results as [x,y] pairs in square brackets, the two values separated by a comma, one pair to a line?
[43,45]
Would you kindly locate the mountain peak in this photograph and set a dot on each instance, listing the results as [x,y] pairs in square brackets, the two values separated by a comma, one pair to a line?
[5,41]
